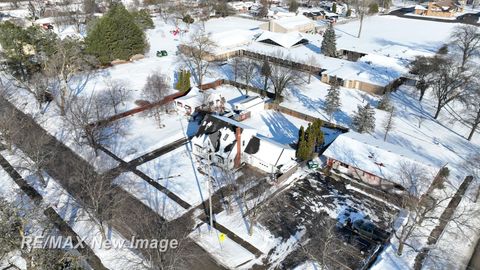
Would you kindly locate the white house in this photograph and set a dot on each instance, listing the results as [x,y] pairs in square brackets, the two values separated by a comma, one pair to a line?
[195,100]
[298,23]
[229,144]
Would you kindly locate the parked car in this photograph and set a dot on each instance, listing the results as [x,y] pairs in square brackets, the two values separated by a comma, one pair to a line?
[312,164]
[368,230]
[162,53]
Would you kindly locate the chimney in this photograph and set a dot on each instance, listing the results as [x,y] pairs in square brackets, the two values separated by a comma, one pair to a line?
[238,156]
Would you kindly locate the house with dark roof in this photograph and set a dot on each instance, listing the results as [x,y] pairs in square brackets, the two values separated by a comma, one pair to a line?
[229,144]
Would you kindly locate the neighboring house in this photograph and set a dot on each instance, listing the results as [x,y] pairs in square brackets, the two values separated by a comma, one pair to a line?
[371,73]
[196,100]
[229,144]
[315,15]
[443,8]
[298,23]
[378,163]
[232,39]
[285,40]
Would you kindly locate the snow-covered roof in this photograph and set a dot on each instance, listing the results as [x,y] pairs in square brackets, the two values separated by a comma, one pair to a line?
[293,22]
[420,7]
[232,38]
[377,157]
[286,40]
[375,69]
[271,152]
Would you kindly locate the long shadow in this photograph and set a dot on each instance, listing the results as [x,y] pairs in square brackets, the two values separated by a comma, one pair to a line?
[281,128]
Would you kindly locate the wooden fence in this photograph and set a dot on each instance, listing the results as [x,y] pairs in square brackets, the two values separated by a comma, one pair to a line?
[149,106]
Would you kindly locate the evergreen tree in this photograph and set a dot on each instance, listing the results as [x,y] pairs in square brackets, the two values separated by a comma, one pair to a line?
[349,13]
[187,80]
[293,6]
[373,8]
[115,36]
[364,120]
[329,44]
[384,103]
[334,7]
[332,100]
[180,81]
[301,133]
[266,72]
[143,19]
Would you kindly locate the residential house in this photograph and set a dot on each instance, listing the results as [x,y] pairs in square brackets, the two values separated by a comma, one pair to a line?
[379,163]
[442,8]
[298,23]
[229,144]
[285,40]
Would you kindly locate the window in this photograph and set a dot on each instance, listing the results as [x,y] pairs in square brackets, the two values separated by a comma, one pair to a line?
[243,143]
[225,137]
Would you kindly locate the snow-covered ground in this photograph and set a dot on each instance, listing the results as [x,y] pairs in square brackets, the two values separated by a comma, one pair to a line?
[227,252]
[150,196]
[143,134]
[178,172]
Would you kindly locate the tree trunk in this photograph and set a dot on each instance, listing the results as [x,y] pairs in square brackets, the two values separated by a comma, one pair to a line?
[437,113]
[422,93]
[250,228]
[265,84]
[401,245]
[475,125]
[361,25]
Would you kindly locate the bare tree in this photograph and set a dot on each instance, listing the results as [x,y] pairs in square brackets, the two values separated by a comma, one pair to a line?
[448,82]
[423,201]
[98,197]
[466,38]
[283,77]
[312,63]
[197,53]
[361,8]
[247,71]
[88,121]
[263,12]
[155,90]
[251,193]
[22,218]
[236,65]
[70,66]
[71,13]
[471,113]
[324,244]
[389,123]
[36,8]
[116,94]
[39,156]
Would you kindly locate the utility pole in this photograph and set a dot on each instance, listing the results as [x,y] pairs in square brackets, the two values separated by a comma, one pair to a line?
[207,167]
[209,180]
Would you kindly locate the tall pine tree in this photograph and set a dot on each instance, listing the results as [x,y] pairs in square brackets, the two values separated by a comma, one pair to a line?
[115,36]
[332,100]
[329,43]
[364,120]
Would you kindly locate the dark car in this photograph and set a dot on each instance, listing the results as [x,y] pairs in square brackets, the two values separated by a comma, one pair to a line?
[368,230]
